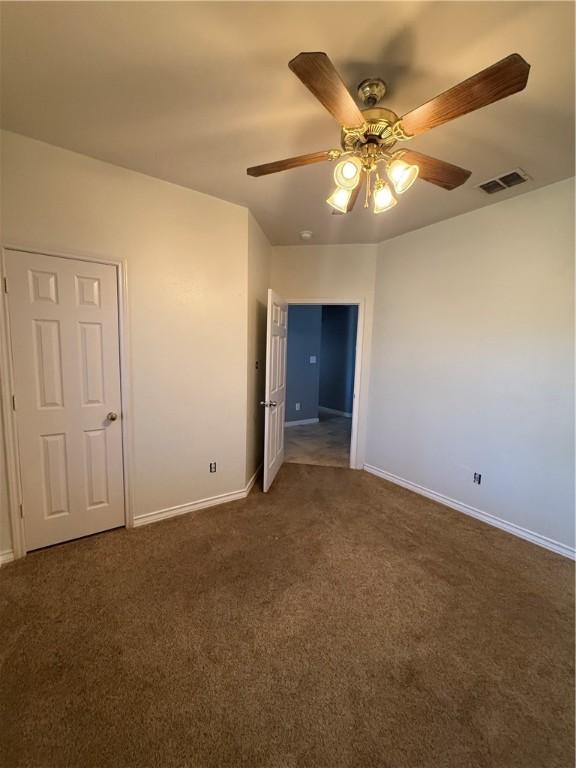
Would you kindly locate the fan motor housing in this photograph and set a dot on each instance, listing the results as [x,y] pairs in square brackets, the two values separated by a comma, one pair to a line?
[376,130]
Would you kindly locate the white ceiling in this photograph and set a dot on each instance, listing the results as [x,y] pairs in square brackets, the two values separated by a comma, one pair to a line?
[195,92]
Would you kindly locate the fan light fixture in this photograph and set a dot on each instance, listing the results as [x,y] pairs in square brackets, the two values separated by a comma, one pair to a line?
[359,165]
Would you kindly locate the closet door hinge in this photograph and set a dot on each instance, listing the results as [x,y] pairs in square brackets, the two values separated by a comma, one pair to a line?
[13,402]
[5,285]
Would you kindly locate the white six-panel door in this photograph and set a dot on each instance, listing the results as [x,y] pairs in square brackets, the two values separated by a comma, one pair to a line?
[276,342]
[65,348]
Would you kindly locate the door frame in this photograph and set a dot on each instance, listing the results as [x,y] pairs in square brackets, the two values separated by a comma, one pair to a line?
[7,391]
[360,303]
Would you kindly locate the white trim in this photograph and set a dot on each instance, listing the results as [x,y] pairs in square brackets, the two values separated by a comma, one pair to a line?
[334,411]
[125,389]
[301,422]
[7,389]
[355,463]
[6,556]
[485,517]
[193,506]
[10,435]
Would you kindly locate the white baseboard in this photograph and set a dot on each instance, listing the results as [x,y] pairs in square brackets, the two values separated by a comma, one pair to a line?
[183,509]
[6,557]
[334,411]
[250,483]
[485,517]
[301,422]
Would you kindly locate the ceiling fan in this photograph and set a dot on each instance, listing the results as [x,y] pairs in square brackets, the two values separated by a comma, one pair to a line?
[369,135]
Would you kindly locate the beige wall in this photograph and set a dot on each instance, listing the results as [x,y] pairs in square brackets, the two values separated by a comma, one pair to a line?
[472,360]
[337,273]
[186,258]
[259,253]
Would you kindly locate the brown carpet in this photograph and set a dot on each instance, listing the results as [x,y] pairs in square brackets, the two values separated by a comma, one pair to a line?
[338,621]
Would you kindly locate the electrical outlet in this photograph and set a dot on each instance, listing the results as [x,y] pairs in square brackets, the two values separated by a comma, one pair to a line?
[212,466]
[312,359]
[297,406]
[477,478]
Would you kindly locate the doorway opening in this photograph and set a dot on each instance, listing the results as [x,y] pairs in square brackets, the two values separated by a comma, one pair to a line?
[320,383]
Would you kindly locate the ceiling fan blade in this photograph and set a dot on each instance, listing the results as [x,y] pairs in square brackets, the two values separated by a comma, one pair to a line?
[436,171]
[290,162]
[353,198]
[502,79]
[320,76]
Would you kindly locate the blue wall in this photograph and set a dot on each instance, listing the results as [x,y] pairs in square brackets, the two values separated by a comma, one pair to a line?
[329,334]
[302,379]
[337,357]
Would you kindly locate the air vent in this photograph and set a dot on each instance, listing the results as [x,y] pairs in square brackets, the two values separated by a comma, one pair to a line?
[510,179]
[492,186]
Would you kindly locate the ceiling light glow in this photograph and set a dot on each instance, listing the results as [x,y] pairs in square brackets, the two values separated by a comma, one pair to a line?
[349,170]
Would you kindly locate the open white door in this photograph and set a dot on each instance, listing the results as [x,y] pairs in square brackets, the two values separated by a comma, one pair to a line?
[275,394]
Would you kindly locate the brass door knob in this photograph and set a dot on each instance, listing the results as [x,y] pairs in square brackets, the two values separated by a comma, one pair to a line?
[112,416]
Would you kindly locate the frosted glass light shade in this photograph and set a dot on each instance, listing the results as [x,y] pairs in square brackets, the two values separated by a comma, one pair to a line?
[402,175]
[383,198]
[339,199]
[347,173]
